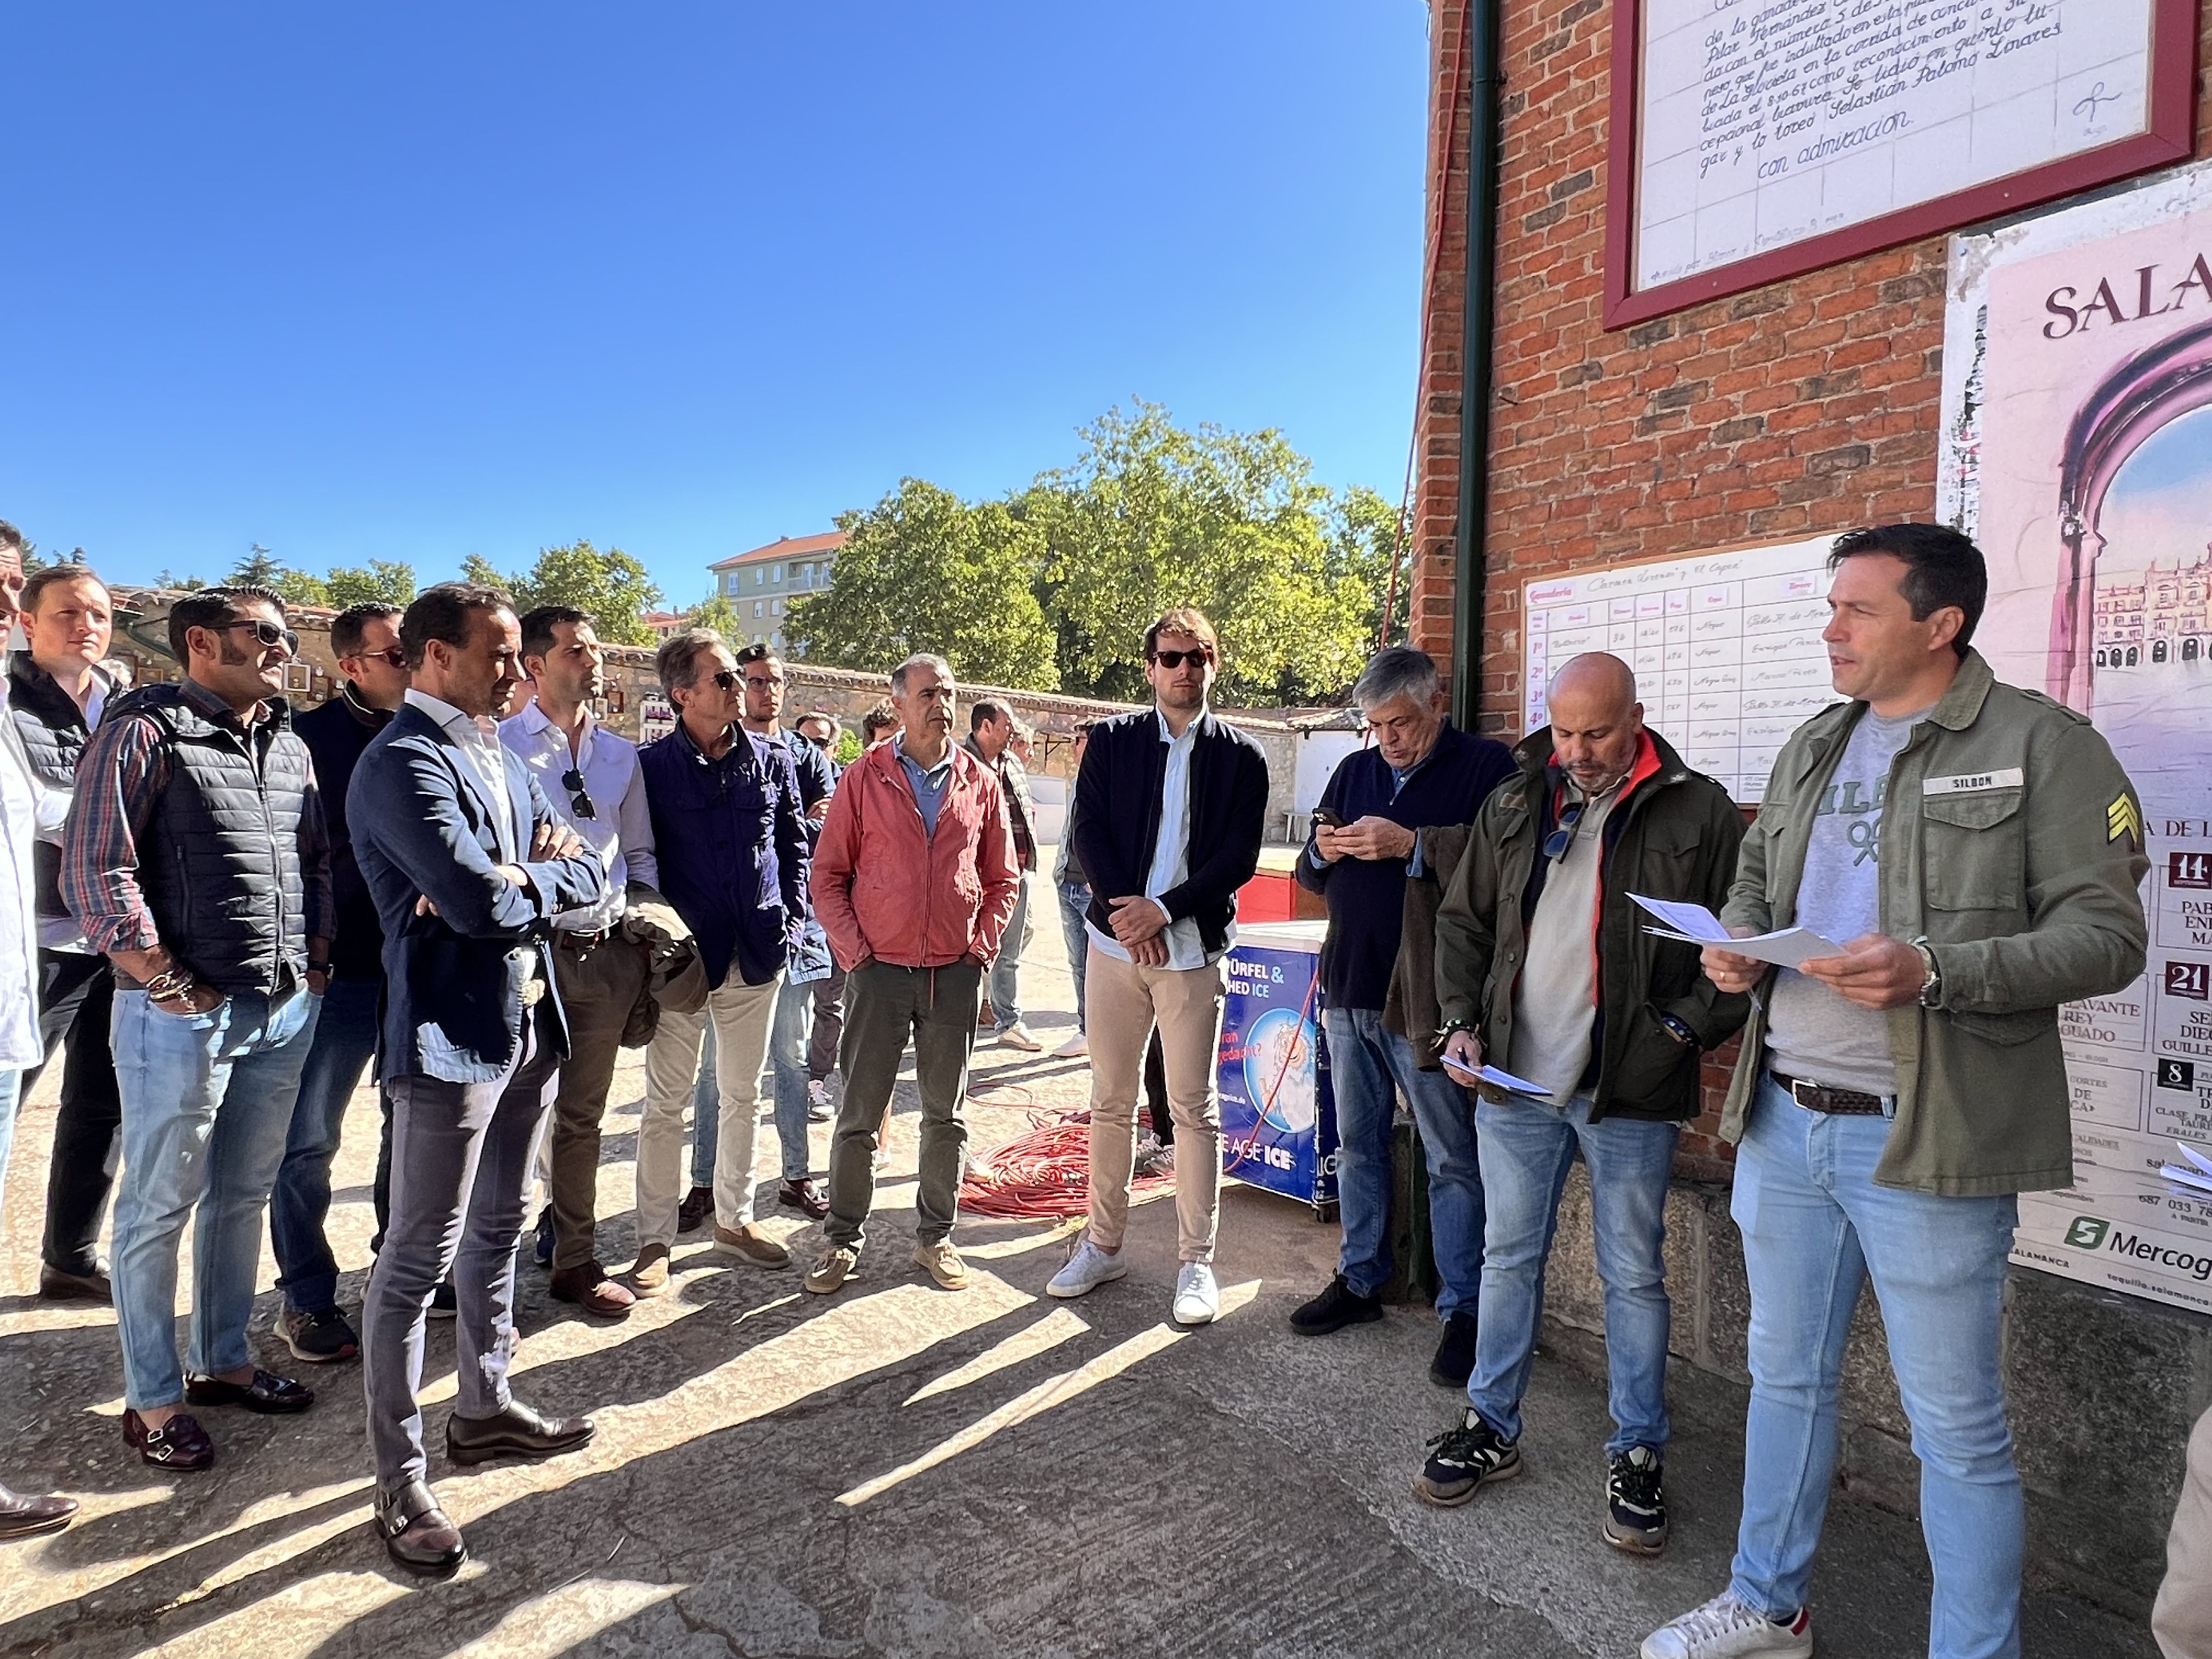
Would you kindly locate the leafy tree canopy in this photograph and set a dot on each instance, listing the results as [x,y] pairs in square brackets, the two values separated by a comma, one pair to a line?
[922,570]
[380,579]
[716,611]
[612,586]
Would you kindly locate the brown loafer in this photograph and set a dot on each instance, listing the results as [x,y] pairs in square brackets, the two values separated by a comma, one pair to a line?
[517,1431]
[804,1196]
[269,1394]
[650,1276]
[180,1444]
[23,1516]
[417,1533]
[751,1245]
[590,1288]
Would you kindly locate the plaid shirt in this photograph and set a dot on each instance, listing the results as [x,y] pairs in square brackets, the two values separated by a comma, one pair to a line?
[125,769]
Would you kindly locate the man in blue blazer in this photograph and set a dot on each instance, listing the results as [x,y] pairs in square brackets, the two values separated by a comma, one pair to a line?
[468,864]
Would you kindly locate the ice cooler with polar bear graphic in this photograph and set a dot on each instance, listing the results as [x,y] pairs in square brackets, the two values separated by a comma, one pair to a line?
[1278,1115]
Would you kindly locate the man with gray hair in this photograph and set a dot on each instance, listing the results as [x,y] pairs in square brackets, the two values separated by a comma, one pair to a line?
[1420,772]
[1544,966]
[914,880]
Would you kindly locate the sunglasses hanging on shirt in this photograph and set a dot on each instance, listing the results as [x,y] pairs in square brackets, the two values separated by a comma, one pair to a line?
[580,800]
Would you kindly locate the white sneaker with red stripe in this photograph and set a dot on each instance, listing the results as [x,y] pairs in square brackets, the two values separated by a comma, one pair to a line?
[1726,1629]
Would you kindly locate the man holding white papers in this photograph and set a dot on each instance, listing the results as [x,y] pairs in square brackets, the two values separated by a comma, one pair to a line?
[1976,850]
[1546,968]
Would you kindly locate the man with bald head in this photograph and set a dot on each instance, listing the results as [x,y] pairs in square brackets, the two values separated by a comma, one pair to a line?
[1544,969]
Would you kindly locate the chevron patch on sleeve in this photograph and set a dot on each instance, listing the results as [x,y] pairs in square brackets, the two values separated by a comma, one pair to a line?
[2123,817]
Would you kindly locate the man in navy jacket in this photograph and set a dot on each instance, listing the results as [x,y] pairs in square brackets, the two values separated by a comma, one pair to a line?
[1173,805]
[1420,771]
[468,864]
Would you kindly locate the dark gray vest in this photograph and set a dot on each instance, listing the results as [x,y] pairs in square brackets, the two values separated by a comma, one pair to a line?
[54,735]
[220,860]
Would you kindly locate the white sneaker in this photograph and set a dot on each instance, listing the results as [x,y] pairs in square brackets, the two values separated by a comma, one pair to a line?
[1086,1270]
[1197,1298]
[1724,1628]
[1018,1036]
[1075,1049]
[819,1107]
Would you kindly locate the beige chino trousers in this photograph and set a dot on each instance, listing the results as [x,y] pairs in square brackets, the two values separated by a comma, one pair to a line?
[741,1015]
[2182,1619]
[1121,1004]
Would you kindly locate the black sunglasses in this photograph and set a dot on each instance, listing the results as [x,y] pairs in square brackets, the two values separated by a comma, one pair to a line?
[1172,659]
[265,634]
[580,801]
[394,656]
[729,680]
[1556,843]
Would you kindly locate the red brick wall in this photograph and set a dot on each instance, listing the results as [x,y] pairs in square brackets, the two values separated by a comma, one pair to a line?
[1795,410]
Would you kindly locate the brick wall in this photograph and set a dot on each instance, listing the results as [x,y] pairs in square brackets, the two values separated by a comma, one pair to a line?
[1795,410]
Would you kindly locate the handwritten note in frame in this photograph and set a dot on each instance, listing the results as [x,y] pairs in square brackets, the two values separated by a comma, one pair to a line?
[1756,139]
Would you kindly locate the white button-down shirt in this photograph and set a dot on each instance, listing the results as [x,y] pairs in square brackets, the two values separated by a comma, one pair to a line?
[19,1047]
[1170,857]
[620,829]
[478,739]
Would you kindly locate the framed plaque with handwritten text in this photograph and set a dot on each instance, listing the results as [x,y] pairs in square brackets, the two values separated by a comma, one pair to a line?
[1755,139]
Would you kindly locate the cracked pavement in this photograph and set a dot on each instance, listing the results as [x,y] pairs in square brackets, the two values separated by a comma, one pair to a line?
[898,1471]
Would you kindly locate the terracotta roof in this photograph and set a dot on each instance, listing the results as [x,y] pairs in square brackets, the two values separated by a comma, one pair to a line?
[786,547]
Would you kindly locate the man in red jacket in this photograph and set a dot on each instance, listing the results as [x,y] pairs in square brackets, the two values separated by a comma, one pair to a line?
[914,881]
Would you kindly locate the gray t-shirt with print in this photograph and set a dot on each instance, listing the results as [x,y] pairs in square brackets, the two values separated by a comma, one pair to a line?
[1812,1032]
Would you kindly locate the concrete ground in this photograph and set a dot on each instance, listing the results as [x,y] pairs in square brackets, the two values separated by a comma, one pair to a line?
[902,1471]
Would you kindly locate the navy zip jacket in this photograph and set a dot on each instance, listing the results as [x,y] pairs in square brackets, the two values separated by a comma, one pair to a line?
[336,734]
[1367,896]
[1118,830]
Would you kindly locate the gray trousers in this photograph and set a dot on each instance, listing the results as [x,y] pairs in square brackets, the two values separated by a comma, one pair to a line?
[460,1172]
[884,1006]
[829,1026]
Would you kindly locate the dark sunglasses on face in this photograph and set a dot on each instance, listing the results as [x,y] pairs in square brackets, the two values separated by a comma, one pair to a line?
[1556,843]
[729,680]
[265,634]
[394,658]
[1174,660]
[580,801]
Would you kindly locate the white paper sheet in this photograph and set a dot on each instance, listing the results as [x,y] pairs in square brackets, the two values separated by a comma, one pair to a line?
[1498,1078]
[1692,923]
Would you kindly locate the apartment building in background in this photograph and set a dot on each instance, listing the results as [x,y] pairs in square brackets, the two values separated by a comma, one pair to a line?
[763,583]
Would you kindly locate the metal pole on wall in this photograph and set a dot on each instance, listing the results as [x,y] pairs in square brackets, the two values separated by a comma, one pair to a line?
[1471,546]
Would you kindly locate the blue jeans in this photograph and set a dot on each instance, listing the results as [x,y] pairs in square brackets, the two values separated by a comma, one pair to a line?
[1527,1149]
[299,1202]
[207,1103]
[1368,1065]
[1814,1224]
[1074,901]
[1006,967]
[11,1095]
[787,1055]
[706,1113]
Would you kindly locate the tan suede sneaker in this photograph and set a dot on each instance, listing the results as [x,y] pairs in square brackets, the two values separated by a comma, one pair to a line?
[751,1245]
[944,1263]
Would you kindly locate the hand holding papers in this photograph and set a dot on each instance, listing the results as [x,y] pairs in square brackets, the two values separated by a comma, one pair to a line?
[1692,923]
[1496,1078]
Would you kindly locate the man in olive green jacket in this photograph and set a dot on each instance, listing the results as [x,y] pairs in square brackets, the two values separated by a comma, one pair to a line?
[1975,850]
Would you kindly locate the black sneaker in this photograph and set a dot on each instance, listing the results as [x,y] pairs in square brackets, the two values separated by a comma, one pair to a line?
[1455,1360]
[319,1337]
[1635,1507]
[1333,1309]
[545,1245]
[1462,1458]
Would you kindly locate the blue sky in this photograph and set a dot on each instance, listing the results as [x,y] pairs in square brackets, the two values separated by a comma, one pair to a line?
[413,281]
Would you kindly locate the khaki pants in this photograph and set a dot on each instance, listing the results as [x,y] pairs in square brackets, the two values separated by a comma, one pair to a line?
[741,1014]
[599,985]
[2182,1619]
[1122,1002]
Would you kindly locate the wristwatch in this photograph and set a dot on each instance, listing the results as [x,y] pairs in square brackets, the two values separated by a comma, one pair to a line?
[1931,986]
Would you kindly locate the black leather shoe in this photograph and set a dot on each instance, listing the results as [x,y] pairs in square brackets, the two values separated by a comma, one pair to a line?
[268,1393]
[417,1533]
[1455,1360]
[517,1431]
[1333,1309]
[55,1285]
[25,1516]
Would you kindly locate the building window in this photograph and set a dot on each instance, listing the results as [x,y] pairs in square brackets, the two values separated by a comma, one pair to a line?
[775,607]
[756,608]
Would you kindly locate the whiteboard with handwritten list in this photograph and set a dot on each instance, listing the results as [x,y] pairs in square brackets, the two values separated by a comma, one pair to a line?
[1726,647]
[1775,135]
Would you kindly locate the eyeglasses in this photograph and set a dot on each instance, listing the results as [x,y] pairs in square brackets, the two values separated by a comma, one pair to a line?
[394,658]
[1556,843]
[580,800]
[1172,659]
[265,635]
[729,680]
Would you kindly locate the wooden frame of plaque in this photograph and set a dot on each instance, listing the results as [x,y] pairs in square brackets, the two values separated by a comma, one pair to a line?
[2168,136]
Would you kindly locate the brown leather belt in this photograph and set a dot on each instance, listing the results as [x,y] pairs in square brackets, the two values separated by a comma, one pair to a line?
[1836,1103]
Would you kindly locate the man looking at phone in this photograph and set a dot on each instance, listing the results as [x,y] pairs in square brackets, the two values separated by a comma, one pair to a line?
[1544,967]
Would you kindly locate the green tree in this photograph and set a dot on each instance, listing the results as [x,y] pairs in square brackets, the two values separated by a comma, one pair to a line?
[1153,516]
[380,579]
[612,586]
[922,570]
[169,580]
[258,568]
[716,611]
[1363,544]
